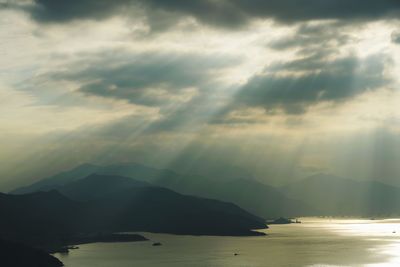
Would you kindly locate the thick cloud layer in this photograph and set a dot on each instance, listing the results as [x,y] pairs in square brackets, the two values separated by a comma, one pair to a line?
[151,79]
[318,73]
[227,13]
[338,80]
[396,37]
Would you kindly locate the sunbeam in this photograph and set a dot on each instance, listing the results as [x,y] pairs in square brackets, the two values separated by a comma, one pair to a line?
[227,132]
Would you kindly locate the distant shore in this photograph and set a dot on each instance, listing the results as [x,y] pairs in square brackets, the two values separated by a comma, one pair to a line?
[94,238]
[129,237]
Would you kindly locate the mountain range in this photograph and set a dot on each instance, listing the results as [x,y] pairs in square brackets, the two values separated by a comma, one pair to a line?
[319,194]
[70,212]
[89,203]
[260,199]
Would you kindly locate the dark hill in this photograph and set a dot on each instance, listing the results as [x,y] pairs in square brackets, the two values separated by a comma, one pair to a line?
[61,178]
[96,186]
[107,204]
[18,255]
[37,212]
[122,204]
[156,209]
[260,199]
[42,219]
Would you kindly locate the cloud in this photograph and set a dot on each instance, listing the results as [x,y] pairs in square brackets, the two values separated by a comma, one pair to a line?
[312,38]
[310,81]
[211,12]
[305,10]
[396,37]
[224,13]
[319,72]
[62,11]
[150,79]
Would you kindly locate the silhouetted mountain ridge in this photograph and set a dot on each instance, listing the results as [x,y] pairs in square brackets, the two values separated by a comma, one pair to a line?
[18,255]
[150,209]
[96,186]
[109,204]
[262,200]
[61,178]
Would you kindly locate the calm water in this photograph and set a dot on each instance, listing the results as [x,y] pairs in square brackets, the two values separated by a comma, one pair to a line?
[315,242]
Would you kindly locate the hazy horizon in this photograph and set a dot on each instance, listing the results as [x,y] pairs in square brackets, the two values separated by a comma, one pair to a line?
[224,175]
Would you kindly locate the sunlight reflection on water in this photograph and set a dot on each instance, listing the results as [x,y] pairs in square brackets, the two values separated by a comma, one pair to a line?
[315,242]
[384,231]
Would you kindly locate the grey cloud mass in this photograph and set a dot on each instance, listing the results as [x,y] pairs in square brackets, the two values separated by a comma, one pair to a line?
[335,81]
[318,73]
[150,79]
[226,13]
[314,39]
[396,37]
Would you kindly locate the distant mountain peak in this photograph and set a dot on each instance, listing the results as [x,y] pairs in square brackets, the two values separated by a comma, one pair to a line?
[264,200]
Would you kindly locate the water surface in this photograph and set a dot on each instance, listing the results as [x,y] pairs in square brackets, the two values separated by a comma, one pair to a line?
[314,242]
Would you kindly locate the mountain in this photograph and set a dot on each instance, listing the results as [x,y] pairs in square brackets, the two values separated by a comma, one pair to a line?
[316,195]
[96,186]
[259,198]
[333,195]
[118,204]
[36,212]
[61,178]
[19,255]
[262,200]
[42,219]
[124,204]
[156,209]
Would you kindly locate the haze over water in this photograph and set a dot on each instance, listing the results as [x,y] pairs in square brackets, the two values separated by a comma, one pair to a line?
[314,242]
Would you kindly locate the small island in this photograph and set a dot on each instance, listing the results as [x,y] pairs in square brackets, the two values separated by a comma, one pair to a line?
[283,220]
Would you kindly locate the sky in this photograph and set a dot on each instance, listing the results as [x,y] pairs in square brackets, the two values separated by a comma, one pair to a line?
[273,90]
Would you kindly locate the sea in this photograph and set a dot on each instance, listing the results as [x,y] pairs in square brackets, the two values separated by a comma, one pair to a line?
[313,242]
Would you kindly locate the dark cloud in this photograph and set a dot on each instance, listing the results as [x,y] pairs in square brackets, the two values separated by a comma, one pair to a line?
[159,13]
[396,37]
[318,73]
[304,10]
[151,79]
[61,11]
[310,81]
[323,37]
[226,13]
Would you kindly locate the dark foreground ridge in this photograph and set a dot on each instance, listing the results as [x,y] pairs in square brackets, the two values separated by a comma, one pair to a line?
[17,255]
[73,214]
